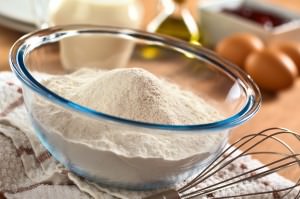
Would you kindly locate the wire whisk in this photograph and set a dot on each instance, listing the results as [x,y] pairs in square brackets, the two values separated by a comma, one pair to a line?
[283,158]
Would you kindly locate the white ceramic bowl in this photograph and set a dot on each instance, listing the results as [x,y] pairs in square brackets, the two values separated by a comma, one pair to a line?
[216,24]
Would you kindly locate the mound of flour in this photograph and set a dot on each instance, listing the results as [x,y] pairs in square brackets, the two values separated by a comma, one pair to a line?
[134,94]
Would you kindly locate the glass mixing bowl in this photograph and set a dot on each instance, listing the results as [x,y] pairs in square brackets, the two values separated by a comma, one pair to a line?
[57,120]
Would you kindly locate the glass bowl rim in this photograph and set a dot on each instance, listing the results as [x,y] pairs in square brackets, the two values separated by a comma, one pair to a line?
[37,38]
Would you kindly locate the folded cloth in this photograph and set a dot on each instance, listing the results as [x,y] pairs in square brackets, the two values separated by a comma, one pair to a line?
[27,169]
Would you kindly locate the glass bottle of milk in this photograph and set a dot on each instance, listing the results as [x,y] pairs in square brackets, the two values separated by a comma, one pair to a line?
[74,51]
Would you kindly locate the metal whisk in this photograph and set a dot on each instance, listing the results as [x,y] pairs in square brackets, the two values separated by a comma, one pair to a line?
[246,146]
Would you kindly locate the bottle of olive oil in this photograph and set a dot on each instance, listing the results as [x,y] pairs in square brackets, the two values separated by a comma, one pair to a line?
[174,20]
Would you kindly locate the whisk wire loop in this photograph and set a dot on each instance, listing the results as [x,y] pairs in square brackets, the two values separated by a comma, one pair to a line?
[244,147]
[214,167]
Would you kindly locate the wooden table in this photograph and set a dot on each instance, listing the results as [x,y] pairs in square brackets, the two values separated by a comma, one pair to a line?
[281,110]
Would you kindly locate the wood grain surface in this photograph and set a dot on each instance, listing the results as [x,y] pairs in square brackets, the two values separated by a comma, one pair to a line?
[281,110]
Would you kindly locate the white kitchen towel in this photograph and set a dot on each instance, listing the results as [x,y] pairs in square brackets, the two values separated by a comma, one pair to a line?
[27,169]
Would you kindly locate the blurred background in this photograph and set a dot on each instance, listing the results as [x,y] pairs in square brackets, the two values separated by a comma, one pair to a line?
[209,23]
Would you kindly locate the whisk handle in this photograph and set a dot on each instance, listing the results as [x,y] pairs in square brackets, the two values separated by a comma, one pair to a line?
[169,194]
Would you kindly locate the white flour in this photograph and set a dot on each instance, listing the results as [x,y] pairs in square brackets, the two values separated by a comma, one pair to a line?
[133,94]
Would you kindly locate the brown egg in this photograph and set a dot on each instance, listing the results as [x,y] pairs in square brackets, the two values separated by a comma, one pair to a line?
[237,47]
[292,49]
[271,69]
